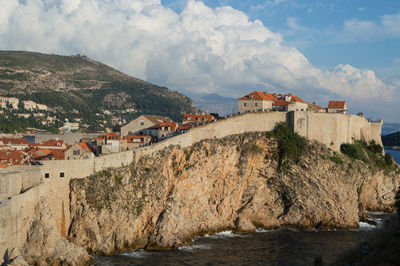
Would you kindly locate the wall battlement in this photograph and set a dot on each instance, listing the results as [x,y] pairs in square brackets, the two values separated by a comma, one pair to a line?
[51,179]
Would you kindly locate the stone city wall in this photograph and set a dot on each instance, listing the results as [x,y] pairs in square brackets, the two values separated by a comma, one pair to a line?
[334,129]
[54,176]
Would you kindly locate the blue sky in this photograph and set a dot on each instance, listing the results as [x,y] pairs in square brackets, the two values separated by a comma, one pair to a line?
[319,50]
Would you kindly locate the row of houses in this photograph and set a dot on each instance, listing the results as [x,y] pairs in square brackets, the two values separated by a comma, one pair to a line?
[146,130]
[263,101]
[161,127]
[142,131]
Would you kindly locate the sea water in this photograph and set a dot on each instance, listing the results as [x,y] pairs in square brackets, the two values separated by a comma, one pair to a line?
[263,247]
[395,155]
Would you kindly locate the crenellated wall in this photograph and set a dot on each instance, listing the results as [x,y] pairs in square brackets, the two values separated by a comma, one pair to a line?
[26,184]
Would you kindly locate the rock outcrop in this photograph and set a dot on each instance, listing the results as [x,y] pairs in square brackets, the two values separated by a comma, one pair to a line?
[235,183]
[45,245]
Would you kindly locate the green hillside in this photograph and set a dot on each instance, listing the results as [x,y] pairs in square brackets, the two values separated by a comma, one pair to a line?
[391,139]
[78,87]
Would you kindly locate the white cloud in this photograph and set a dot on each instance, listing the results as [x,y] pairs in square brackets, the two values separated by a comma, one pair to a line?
[361,9]
[292,23]
[200,50]
[387,27]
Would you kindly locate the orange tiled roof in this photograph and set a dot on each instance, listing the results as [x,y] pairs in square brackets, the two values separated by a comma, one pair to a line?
[44,154]
[14,140]
[85,146]
[130,138]
[52,142]
[194,118]
[111,135]
[12,157]
[258,95]
[295,98]
[317,106]
[3,165]
[337,104]
[184,127]
[173,125]
[281,103]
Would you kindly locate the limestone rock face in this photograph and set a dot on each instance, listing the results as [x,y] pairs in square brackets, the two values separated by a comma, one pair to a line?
[233,183]
[45,245]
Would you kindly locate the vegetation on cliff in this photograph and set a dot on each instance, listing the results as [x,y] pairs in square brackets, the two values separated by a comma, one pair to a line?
[371,154]
[78,87]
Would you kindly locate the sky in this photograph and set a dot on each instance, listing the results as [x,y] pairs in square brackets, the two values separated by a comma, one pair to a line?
[320,50]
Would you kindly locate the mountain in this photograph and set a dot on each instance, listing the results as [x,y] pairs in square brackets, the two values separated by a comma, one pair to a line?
[78,88]
[388,128]
[215,103]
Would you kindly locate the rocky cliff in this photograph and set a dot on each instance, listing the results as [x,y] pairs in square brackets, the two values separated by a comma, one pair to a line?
[44,244]
[241,183]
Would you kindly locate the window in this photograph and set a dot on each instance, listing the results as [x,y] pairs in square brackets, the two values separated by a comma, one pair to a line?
[46,175]
[188,118]
[244,104]
[62,174]
[76,152]
[169,128]
[255,104]
[141,123]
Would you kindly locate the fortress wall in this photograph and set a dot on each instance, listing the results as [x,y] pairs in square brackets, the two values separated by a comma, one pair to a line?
[16,179]
[251,122]
[15,214]
[329,129]
[333,129]
[69,138]
[113,160]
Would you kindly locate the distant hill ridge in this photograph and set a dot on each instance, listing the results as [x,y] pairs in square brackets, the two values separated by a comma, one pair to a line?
[79,87]
[391,140]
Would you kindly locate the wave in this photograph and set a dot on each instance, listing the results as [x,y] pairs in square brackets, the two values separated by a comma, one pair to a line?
[141,253]
[194,247]
[366,227]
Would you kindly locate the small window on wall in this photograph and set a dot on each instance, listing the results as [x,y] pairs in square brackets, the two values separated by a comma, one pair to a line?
[255,104]
[62,174]
[142,123]
[244,104]
[46,175]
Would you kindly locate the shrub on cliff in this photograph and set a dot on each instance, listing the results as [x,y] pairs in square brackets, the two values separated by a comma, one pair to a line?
[290,144]
[368,153]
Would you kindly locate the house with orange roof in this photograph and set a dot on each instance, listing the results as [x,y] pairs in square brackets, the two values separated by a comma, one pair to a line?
[51,144]
[142,122]
[316,108]
[262,101]
[161,131]
[197,119]
[14,143]
[12,157]
[44,154]
[282,105]
[110,143]
[136,141]
[80,150]
[337,107]
[256,102]
[289,102]
[183,128]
